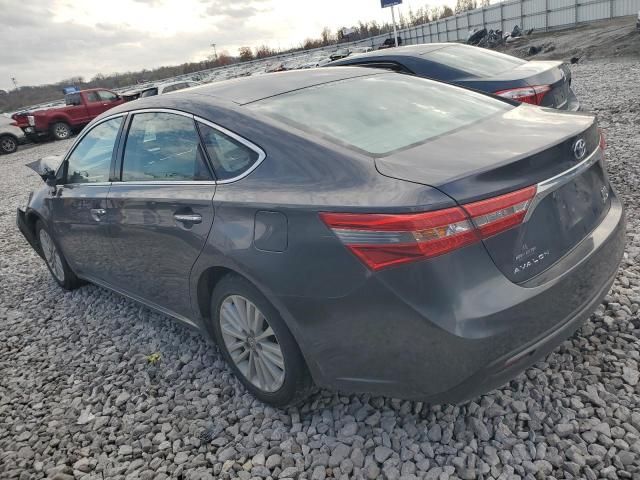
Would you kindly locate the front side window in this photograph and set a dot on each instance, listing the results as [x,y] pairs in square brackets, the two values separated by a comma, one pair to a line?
[381,113]
[92,97]
[163,147]
[90,161]
[228,156]
[107,96]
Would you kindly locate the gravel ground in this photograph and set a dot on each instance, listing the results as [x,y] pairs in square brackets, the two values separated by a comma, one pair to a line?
[79,398]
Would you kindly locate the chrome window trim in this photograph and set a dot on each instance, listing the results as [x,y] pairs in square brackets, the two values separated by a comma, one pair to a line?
[247,143]
[140,183]
[87,184]
[250,145]
[550,185]
[161,110]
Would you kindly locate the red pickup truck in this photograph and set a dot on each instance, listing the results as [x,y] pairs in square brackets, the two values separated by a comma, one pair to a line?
[60,122]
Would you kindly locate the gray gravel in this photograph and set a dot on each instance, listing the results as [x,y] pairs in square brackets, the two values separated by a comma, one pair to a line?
[79,399]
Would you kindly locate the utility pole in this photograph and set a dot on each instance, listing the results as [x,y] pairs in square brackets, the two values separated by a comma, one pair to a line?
[215,54]
[15,84]
[395,29]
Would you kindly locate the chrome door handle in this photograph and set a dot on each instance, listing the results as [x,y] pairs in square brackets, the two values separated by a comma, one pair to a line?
[98,213]
[188,217]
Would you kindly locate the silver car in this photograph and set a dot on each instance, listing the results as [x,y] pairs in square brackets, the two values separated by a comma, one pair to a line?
[10,135]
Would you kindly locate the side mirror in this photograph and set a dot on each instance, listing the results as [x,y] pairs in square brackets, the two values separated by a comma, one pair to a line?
[49,177]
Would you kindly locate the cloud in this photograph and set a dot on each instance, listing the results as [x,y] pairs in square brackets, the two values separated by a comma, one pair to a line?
[240,10]
[46,51]
[45,41]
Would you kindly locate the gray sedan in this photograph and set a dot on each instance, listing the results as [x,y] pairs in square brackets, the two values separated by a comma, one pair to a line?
[347,227]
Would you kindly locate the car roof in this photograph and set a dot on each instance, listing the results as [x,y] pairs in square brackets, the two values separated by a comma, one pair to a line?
[240,91]
[408,51]
[250,89]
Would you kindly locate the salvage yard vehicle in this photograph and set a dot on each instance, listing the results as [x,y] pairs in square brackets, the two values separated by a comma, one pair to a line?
[158,89]
[60,122]
[429,245]
[544,83]
[10,135]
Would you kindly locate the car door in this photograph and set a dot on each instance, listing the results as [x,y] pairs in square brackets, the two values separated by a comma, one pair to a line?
[93,105]
[109,99]
[76,108]
[80,201]
[162,209]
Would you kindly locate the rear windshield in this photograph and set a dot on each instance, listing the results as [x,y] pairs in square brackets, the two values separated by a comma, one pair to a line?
[476,61]
[381,113]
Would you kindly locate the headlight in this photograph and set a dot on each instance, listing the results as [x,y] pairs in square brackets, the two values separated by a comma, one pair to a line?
[31,120]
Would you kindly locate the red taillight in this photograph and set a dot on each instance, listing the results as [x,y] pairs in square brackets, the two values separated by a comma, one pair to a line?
[532,95]
[498,214]
[381,240]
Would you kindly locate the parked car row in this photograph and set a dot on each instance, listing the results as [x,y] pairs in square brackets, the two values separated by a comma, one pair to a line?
[80,107]
[437,236]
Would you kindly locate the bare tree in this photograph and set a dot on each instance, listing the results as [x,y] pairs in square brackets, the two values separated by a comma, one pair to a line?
[245,54]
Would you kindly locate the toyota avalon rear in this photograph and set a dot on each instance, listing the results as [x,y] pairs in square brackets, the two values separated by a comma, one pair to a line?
[347,227]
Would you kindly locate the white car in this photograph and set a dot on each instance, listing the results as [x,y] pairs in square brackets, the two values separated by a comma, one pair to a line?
[10,135]
[163,88]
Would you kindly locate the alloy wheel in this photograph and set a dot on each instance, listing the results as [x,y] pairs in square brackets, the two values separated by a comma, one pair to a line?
[8,145]
[61,131]
[252,343]
[51,255]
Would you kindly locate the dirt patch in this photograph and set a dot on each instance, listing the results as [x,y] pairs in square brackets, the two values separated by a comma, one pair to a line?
[608,39]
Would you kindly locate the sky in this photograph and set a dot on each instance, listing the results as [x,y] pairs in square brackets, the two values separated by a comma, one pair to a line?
[45,41]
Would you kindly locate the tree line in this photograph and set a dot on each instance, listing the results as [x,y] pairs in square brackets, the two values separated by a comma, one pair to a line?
[31,95]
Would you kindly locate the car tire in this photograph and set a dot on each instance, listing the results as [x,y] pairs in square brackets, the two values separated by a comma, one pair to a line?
[60,131]
[54,259]
[8,144]
[230,296]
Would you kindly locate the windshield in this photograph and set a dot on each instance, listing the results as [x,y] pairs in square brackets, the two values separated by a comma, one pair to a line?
[381,113]
[476,61]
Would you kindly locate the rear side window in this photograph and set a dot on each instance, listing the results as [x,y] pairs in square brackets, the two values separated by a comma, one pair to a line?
[381,113]
[90,161]
[475,61]
[73,99]
[175,87]
[163,147]
[229,157]
[149,93]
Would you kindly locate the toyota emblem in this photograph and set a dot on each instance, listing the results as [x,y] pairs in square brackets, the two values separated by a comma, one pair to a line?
[580,149]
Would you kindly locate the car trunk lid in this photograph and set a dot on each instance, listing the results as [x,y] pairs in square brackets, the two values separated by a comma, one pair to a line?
[555,74]
[475,164]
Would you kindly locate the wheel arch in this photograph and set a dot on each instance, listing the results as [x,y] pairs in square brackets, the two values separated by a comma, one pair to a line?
[59,119]
[8,134]
[32,218]
[207,281]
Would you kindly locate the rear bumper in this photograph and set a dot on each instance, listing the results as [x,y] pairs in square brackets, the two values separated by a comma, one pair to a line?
[453,327]
[572,105]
